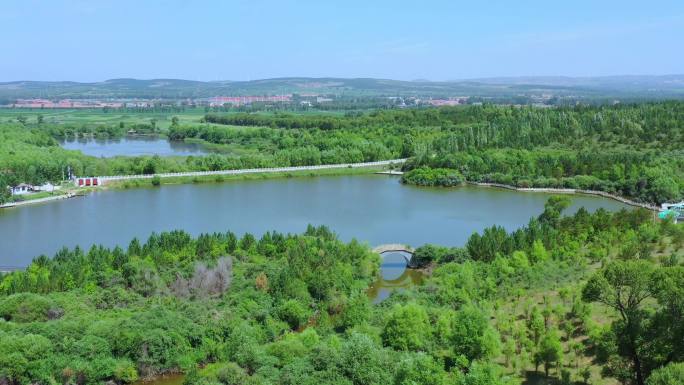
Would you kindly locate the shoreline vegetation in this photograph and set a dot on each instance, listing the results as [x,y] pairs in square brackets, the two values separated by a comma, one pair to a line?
[440,177]
[219,178]
[552,190]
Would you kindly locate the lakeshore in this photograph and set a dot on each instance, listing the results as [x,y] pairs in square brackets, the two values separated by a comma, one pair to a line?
[39,200]
[568,191]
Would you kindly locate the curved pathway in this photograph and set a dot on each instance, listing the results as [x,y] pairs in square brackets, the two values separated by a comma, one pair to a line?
[553,190]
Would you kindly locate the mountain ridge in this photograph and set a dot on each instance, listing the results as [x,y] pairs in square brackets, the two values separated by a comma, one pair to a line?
[663,86]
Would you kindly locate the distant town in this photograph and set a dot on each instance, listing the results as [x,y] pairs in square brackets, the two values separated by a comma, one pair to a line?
[216,101]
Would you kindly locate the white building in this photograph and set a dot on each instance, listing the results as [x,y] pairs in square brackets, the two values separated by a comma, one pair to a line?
[22,189]
[47,187]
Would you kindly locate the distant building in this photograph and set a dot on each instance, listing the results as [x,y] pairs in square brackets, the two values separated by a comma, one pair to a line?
[47,187]
[448,102]
[64,103]
[87,182]
[22,189]
[219,101]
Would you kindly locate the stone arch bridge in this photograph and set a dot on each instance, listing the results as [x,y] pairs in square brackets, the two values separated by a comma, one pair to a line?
[406,250]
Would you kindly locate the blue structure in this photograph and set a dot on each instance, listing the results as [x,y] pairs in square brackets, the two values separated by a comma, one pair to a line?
[675,210]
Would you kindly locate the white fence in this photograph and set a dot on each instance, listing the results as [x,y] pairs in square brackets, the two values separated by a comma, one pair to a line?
[105,179]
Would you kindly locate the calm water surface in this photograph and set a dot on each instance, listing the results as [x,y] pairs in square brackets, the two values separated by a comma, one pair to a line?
[372,208]
[134,146]
[168,379]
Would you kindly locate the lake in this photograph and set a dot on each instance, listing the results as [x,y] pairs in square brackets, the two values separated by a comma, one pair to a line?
[134,146]
[375,209]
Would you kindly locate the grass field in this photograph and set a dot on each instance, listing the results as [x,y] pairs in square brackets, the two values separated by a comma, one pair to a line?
[98,116]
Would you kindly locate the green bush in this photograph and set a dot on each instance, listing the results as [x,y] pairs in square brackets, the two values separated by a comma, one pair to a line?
[294,313]
[433,177]
[672,374]
[25,307]
[407,328]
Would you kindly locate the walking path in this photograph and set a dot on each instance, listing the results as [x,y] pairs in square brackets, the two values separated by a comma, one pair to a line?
[104,179]
[39,200]
[390,172]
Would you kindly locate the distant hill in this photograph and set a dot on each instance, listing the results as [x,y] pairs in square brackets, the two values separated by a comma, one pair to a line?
[649,87]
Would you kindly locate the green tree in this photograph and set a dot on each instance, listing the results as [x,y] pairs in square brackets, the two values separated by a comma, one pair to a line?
[294,313]
[357,311]
[624,286]
[419,368]
[538,253]
[363,362]
[407,328]
[550,351]
[485,373]
[472,336]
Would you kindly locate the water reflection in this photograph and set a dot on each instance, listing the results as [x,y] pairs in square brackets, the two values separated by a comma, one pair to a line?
[394,275]
[167,379]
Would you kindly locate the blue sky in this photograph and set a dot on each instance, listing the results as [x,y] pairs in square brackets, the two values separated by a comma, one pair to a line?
[91,40]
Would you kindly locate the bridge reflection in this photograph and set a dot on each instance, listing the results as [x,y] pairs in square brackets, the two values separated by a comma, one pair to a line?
[395,275]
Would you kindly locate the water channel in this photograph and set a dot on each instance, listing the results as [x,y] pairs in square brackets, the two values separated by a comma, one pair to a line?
[134,146]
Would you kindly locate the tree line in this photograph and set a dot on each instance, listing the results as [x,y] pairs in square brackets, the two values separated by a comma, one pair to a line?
[632,150]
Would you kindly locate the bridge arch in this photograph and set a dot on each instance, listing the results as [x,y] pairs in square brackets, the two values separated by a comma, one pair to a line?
[396,247]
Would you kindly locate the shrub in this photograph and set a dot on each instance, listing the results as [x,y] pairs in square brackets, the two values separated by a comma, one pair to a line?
[294,313]
[433,177]
[407,328]
[125,371]
[672,374]
[25,307]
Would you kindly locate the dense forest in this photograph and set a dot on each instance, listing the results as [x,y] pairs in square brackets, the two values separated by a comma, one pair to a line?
[566,299]
[630,150]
